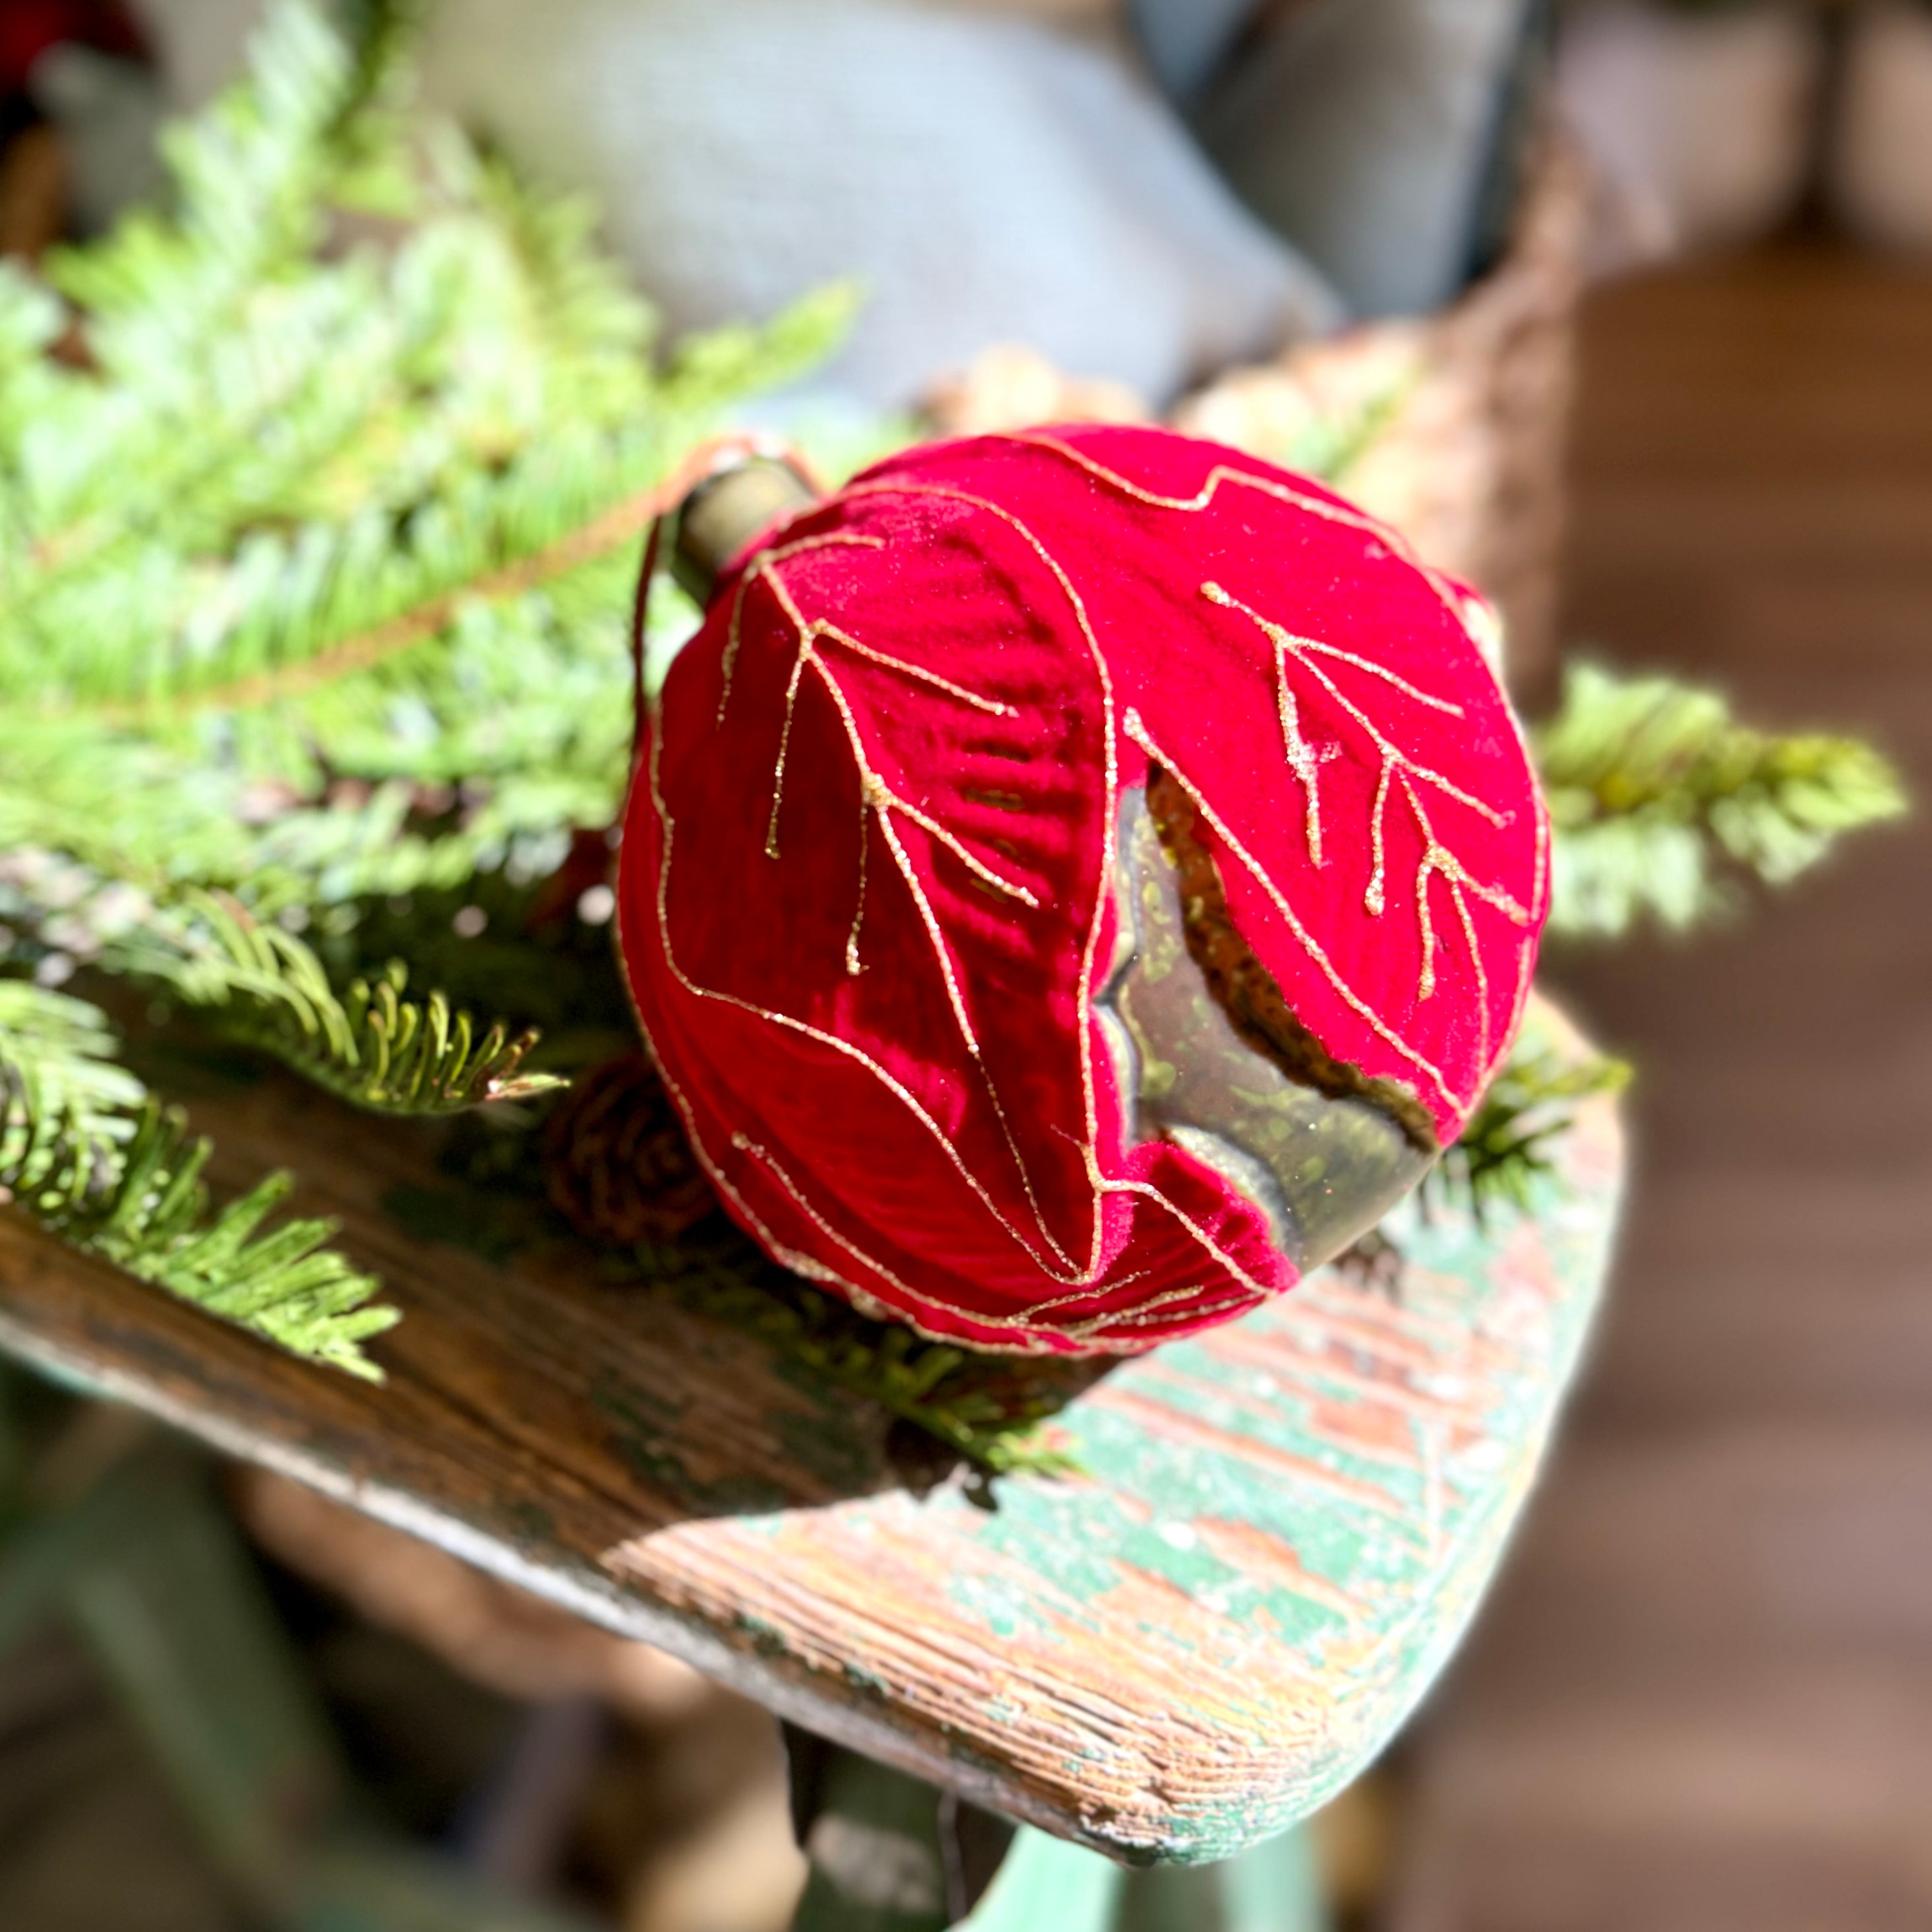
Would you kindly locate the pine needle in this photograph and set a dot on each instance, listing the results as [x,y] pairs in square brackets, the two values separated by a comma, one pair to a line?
[86,1153]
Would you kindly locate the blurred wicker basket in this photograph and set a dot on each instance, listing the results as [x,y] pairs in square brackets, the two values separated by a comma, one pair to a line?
[1453,427]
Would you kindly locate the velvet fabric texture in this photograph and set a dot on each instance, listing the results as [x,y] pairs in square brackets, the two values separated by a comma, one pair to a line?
[866,883]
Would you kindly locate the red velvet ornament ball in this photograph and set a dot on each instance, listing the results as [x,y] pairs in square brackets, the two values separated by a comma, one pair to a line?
[974,764]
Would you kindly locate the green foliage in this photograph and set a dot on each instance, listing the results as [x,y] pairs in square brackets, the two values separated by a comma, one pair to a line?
[1659,798]
[88,1154]
[263,986]
[314,574]
[1656,793]
[988,1409]
[320,494]
[1531,1103]
[57,1062]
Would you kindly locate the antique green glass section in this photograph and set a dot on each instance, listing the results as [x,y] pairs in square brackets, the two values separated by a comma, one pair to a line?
[1323,1169]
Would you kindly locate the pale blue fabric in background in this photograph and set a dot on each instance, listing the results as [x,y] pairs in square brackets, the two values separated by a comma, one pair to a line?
[987,179]
[1187,42]
[1363,130]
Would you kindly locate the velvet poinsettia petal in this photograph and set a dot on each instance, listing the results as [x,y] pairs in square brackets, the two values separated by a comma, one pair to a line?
[866,883]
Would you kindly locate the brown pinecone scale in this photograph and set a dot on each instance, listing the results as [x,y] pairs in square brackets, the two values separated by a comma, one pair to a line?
[616,1164]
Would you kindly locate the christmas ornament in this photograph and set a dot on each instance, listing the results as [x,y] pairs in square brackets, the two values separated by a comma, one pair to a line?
[1074,881]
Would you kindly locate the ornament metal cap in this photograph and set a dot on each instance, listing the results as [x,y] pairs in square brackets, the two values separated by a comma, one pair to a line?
[723,513]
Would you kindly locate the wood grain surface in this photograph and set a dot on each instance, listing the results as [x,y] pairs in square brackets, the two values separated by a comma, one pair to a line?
[1279,1531]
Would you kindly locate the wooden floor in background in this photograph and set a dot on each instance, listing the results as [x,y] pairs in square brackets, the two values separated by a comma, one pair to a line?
[1702,1697]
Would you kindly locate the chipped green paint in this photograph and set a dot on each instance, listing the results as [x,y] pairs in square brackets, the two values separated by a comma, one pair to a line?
[998,1601]
[1280,1528]
[1330,1480]
[868,1681]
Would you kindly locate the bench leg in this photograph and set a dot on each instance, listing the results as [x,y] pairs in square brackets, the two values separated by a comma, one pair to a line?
[890,1854]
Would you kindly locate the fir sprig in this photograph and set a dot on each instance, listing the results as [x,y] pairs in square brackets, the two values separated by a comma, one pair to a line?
[1506,1144]
[1657,793]
[316,537]
[86,1153]
[989,1410]
[57,1062]
[369,1046]
[326,525]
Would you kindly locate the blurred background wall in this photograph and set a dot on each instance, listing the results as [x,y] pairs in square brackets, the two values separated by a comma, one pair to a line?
[1702,1697]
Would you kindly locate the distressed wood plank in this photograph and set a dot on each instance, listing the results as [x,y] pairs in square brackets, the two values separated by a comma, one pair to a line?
[1282,1530]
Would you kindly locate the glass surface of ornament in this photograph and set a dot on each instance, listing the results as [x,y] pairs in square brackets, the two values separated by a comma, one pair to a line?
[1323,1155]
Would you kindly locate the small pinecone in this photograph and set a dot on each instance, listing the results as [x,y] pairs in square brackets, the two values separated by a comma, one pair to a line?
[616,1164]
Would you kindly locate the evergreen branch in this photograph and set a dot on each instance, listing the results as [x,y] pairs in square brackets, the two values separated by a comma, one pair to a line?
[623,522]
[314,577]
[89,1156]
[282,448]
[708,373]
[105,808]
[379,33]
[266,987]
[57,1062]
[990,1410]
[1655,792]
[1504,1147]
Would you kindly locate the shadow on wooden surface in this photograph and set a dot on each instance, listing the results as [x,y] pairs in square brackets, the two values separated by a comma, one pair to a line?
[1280,1529]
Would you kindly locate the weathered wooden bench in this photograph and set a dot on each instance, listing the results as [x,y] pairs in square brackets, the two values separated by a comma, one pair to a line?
[1279,1531]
